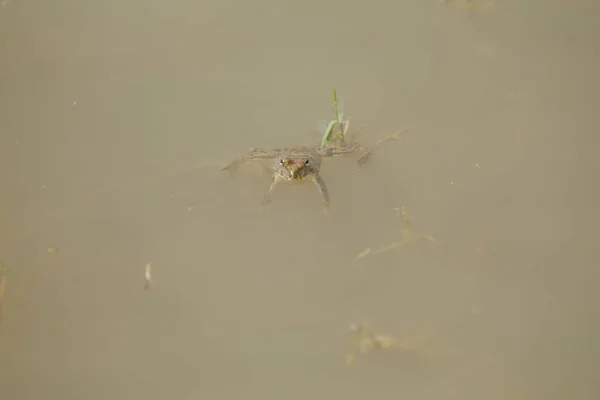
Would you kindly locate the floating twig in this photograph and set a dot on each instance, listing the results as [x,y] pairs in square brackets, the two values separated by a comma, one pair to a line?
[409,236]
[3,283]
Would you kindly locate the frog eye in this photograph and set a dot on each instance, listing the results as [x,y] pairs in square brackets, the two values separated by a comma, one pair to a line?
[306,162]
[281,161]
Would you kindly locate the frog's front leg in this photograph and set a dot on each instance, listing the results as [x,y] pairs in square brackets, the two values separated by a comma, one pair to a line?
[267,196]
[323,191]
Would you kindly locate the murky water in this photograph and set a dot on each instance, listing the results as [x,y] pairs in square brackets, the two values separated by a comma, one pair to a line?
[116,117]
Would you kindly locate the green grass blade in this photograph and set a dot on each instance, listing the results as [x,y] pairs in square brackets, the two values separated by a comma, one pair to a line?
[328,131]
[335,106]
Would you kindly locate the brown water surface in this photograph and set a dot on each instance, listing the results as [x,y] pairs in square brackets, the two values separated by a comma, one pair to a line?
[115,117]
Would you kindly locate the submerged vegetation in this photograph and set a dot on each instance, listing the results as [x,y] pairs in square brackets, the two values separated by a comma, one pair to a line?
[337,125]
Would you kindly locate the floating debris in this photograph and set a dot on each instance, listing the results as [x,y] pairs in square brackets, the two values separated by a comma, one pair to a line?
[148,276]
[350,358]
[364,253]
[53,251]
[367,340]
